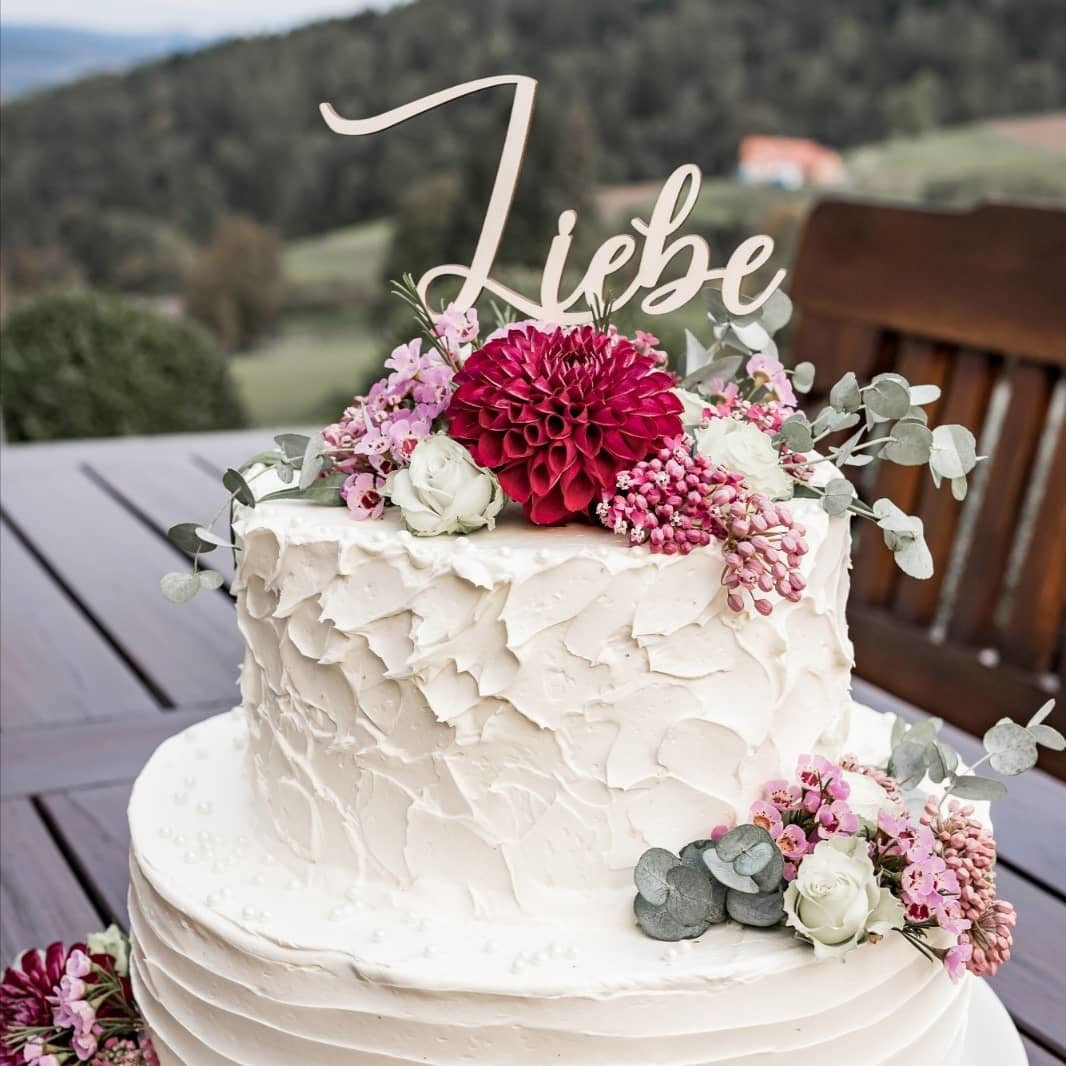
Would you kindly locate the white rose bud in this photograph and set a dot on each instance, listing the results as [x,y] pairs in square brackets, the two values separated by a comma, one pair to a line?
[747,450]
[444,490]
[866,797]
[835,901]
[694,405]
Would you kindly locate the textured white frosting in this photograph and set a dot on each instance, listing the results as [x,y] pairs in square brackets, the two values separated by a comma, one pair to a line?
[246,953]
[504,722]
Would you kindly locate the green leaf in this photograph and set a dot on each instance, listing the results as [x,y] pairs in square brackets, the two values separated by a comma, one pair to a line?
[292,445]
[314,461]
[1042,714]
[1011,748]
[959,488]
[776,312]
[842,454]
[973,787]
[844,395]
[326,491]
[211,538]
[285,473]
[210,579]
[803,377]
[762,910]
[649,874]
[692,854]
[690,895]
[659,924]
[725,368]
[241,490]
[910,444]
[920,395]
[886,397]
[954,452]
[1048,736]
[909,762]
[184,535]
[696,355]
[179,586]
[796,433]
[905,537]
[838,496]
[724,873]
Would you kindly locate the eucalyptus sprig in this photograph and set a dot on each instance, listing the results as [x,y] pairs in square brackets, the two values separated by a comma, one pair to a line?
[1010,749]
[295,454]
[602,310]
[407,290]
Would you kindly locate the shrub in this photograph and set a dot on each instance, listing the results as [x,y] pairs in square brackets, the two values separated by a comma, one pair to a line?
[80,364]
[236,289]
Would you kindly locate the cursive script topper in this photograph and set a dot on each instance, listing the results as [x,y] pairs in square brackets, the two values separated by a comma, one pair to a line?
[658,248]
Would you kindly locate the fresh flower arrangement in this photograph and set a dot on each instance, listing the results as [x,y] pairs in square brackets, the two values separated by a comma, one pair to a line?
[73,1004]
[584,424]
[847,853]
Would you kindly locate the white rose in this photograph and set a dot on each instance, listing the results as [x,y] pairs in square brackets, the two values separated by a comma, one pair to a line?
[693,406]
[444,490]
[745,449]
[835,901]
[866,797]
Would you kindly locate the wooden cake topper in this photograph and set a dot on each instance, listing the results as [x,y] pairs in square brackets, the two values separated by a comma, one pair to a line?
[675,203]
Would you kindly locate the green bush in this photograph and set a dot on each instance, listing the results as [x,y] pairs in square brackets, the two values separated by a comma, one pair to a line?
[80,364]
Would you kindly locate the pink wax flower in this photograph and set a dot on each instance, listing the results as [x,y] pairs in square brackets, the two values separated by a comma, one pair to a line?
[793,843]
[782,795]
[364,496]
[766,816]
[957,960]
[836,819]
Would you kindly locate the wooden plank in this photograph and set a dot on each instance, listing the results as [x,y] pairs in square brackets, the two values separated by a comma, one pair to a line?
[1039,599]
[40,899]
[54,664]
[94,829]
[965,278]
[112,565]
[835,347]
[966,397]
[974,610]
[1030,985]
[1032,813]
[178,490]
[34,761]
[945,679]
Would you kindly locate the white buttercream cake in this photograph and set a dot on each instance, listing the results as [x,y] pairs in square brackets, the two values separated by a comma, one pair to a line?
[414,840]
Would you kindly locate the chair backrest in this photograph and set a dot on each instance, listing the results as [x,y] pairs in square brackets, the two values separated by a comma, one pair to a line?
[974,302]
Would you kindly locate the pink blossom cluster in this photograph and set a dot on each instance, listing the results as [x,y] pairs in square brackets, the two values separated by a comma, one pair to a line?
[72,1008]
[726,400]
[117,1051]
[800,815]
[969,851]
[677,501]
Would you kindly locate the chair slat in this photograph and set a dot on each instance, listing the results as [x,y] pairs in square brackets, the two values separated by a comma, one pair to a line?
[973,614]
[1039,598]
[966,395]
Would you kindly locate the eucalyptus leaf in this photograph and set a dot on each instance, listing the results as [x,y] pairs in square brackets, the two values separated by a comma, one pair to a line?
[1048,737]
[740,840]
[858,460]
[751,335]
[770,876]
[240,489]
[916,414]
[292,445]
[973,787]
[696,355]
[886,397]
[649,874]
[959,488]
[909,444]
[1011,748]
[914,558]
[954,452]
[724,873]
[286,473]
[657,922]
[844,395]
[756,858]
[830,421]
[325,490]
[762,910]
[212,538]
[796,433]
[690,898]
[692,854]
[314,461]
[803,377]
[179,586]
[909,762]
[839,494]
[843,453]
[184,535]
[724,368]
[1042,714]
[210,579]
[776,312]
[923,394]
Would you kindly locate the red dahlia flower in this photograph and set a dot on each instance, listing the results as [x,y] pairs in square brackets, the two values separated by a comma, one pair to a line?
[24,992]
[558,413]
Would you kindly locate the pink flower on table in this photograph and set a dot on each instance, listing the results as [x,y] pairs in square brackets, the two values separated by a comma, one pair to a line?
[405,360]
[836,819]
[364,496]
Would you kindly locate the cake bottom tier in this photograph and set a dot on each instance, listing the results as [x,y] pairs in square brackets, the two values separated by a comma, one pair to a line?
[245,954]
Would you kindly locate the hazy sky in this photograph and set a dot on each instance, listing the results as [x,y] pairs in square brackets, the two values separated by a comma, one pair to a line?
[206,17]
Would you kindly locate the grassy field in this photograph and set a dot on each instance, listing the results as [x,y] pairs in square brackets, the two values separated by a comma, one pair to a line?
[328,346]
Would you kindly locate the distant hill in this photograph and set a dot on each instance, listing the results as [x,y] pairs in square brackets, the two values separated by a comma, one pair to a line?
[38,56]
[638,85]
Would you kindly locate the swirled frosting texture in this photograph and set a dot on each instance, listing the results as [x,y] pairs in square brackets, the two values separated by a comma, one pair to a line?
[511,718]
[245,953]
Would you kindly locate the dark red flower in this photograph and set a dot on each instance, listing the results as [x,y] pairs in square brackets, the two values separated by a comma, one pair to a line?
[557,414]
[24,993]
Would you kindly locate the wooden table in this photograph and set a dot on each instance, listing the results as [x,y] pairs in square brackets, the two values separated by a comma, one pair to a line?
[97,669]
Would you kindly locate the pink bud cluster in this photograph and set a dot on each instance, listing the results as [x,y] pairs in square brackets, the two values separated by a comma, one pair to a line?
[969,851]
[677,501]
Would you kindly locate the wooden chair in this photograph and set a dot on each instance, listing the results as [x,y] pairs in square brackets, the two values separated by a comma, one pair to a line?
[974,302]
